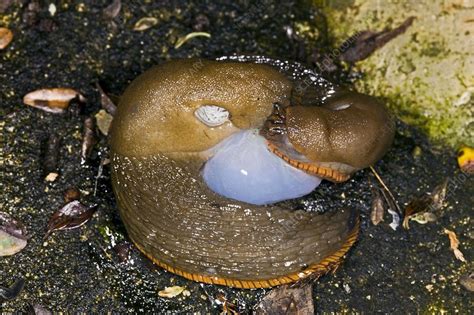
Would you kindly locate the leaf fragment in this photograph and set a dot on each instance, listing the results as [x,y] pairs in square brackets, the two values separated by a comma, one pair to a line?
[454,244]
[182,40]
[361,45]
[145,23]
[423,218]
[13,235]
[227,306]
[6,36]
[419,207]
[88,139]
[104,121]
[72,215]
[171,292]
[51,177]
[378,209]
[52,100]
[106,102]
[466,159]
[395,219]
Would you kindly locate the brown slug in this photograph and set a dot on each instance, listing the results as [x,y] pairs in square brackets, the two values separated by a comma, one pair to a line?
[202,151]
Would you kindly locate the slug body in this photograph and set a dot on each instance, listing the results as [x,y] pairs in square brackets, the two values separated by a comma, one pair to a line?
[201,151]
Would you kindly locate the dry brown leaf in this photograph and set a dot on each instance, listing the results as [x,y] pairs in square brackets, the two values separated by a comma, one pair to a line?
[54,100]
[171,292]
[377,212]
[145,23]
[6,36]
[454,244]
[362,45]
[180,42]
[88,139]
[72,215]
[106,102]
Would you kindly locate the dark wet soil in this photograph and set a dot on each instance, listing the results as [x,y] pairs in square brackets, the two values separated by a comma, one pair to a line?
[386,272]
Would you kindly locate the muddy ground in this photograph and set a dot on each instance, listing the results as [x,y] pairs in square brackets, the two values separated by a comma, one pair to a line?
[387,271]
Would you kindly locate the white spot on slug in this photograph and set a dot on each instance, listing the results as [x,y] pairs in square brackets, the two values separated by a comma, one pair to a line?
[212,115]
[342,106]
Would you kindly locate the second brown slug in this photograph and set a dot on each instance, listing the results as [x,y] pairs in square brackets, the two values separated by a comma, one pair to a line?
[202,151]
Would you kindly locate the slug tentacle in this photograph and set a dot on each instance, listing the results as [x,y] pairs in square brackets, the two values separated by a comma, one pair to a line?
[202,151]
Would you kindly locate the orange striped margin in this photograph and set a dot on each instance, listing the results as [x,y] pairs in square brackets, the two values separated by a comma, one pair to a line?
[326,172]
[329,263]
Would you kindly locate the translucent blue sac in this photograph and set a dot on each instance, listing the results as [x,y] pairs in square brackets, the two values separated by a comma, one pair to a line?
[242,168]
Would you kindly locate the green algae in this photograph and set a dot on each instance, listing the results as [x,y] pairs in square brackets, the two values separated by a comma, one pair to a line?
[425,74]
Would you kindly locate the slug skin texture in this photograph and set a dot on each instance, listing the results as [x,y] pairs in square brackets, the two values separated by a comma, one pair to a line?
[159,148]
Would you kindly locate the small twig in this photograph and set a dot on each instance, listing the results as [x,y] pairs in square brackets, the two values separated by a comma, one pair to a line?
[386,189]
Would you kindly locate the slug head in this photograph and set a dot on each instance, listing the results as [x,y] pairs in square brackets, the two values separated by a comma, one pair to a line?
[350,131]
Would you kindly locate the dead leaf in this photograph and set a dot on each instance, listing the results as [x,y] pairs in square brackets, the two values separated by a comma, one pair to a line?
[88,139]
[123,251]
[54,100]
[171,292]
[104,120]
[363,44]
[113,9]
[6,36]
[422,218]
[227,307]
[454,244]
[145,23]
[378,209]
[13,235]
[287,300]
[72,215]
[106,102]
[182,40]
[9,293]
[429,202]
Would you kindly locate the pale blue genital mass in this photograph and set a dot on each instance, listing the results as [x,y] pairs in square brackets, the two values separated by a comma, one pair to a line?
[243,168]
